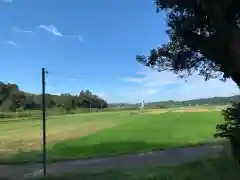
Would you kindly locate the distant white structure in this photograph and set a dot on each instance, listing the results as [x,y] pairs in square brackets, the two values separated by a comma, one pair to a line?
[142,105]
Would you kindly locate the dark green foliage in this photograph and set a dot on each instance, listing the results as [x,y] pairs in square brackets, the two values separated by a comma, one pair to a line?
[230,129]
[12,99]
[18,100]
[204,39]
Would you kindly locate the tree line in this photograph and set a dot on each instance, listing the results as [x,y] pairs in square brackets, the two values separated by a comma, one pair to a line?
[13,99]
[200,102]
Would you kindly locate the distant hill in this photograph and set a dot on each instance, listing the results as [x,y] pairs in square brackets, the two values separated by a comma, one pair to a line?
[202,101]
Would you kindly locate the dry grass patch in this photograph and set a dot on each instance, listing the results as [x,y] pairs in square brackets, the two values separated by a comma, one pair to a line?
[83,130]
[24,136]
[192,110]
[155,112]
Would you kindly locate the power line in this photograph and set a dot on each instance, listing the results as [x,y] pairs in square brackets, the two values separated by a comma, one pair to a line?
[64,75]
[70,76]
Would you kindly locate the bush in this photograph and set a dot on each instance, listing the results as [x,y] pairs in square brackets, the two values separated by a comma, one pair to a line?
[230,129]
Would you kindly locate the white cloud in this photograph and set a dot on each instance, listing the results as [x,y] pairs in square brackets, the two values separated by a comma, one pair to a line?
[12,43]
[80,38]
[196,87]
[151,78]
[101,94]
[158,86]
[132,94]
[7,1]
[135,79]
[151,91]
[76,37]
[149,85]
[52,29]
[19,30]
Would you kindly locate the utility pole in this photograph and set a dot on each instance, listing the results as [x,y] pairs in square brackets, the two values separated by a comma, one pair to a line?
[44,123]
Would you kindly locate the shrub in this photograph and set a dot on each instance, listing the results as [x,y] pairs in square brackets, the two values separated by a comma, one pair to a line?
[230,129]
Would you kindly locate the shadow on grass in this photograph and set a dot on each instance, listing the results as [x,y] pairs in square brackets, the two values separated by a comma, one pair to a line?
[65,151]
[75,150]
[217,168]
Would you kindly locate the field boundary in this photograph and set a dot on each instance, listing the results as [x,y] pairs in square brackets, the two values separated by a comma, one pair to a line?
[36,118]
[179,109]
[207,143]
[172,156]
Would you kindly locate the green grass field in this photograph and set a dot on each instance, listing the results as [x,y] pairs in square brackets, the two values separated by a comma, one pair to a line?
[107,133]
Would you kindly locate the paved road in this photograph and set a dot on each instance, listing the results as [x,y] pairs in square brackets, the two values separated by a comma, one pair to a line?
[158,158]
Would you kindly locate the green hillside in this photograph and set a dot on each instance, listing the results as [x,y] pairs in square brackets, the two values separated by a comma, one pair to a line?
[200,102]
[168,104]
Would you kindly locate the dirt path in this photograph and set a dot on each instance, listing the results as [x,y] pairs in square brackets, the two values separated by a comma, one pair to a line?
[158,158]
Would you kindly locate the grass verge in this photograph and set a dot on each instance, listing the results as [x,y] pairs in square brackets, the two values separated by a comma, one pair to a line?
[215,169]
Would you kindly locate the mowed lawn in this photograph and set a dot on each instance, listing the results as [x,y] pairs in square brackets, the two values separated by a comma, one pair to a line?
[106,134]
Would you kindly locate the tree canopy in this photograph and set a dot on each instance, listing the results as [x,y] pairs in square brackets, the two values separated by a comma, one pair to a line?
[11,99]
[204,38]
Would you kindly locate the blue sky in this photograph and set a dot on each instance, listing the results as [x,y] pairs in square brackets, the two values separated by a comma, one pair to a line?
[97,41]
